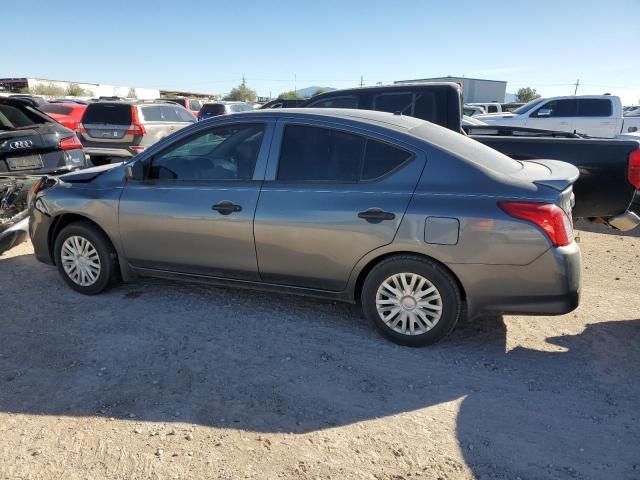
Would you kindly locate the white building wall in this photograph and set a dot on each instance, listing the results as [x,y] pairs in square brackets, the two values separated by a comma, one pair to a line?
[100,90]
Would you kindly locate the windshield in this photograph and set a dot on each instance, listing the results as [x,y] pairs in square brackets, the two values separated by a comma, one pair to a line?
[528,106]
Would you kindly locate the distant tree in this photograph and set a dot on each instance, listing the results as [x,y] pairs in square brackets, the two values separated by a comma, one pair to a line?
[75,90]
[241,93]
[319,91]
[49,89]
[290,95]
[132,93]
[526,94]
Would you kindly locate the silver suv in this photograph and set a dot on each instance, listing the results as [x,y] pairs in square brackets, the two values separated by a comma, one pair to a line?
[123,129]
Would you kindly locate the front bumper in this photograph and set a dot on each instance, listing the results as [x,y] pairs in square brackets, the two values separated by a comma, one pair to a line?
[13,235]
[550,285]
[39,226]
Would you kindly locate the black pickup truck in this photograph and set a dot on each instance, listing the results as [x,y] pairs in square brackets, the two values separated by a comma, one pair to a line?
[609,168]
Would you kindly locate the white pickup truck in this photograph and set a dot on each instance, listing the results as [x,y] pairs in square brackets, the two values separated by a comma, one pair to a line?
[593,115]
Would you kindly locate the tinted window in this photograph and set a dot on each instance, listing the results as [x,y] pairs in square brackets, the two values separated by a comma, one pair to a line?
[319,154]
[426,106]
[213,108]
[225,153]
[15,117]
[57,109]
[336,102]
[394,102]
[557,108]
[492,109]
[381,158]
[527,106]
[108,113]
[594,107]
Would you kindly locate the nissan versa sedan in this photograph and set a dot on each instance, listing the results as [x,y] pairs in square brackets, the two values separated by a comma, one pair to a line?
[408,219]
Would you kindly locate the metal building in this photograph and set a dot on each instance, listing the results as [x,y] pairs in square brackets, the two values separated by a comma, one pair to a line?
[473,89]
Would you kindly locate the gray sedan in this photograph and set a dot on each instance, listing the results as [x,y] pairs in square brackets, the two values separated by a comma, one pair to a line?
[408,219]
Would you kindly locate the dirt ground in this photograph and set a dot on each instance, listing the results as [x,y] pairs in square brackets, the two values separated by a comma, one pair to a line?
[160,380]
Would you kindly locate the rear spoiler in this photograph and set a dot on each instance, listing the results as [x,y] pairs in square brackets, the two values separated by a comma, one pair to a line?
[563,174]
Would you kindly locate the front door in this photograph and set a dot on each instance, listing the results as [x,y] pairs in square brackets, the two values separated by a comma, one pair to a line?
[194,211]
[330,197]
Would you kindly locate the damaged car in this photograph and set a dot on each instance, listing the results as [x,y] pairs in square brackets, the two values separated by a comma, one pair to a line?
[31,145]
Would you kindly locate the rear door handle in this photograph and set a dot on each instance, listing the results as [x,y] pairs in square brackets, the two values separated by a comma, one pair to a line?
[376,215]
[226,207]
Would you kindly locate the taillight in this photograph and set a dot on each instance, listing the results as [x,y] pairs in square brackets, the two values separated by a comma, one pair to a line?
[70,143]
[633,173]
[136,128]
[549,217]
[137,148]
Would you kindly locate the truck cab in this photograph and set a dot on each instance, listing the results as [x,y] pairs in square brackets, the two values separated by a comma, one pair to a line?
[593,115]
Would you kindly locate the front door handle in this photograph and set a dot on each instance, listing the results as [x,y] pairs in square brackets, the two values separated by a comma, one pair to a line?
[226,207]
[376,215]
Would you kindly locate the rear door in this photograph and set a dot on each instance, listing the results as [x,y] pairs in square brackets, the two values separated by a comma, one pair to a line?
[332,195]
[193,213]
[595,117]
[555,115]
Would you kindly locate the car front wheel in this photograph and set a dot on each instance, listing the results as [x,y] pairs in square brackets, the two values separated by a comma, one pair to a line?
[85,258]
[411,300]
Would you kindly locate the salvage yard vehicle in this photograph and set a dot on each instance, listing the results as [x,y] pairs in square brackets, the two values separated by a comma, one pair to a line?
[67,114]
[213,109]
[31,144]
[409,219]
[121,129]
[192,104]
[610,168]
[593,115]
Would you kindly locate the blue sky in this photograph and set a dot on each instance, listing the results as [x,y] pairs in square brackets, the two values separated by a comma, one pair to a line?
[207,46]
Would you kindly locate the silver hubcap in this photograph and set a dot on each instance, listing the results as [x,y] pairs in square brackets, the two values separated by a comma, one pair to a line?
[409,303]
[80,261]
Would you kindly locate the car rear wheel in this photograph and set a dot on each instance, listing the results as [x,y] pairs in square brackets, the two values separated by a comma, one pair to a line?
[85,258]
[411,300]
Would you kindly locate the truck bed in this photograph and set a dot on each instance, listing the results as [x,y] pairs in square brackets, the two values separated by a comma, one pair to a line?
[603,189]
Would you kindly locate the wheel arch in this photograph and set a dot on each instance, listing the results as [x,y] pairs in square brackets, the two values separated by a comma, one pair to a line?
[364,271]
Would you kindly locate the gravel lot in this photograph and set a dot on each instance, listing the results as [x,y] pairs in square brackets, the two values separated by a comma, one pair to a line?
[165,380]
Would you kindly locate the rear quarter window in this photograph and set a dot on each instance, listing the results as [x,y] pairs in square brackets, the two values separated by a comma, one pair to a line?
[108,113]
[16,117]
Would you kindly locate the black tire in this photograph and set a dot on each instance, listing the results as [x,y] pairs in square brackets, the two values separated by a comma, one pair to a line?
[109,272]
[441,279]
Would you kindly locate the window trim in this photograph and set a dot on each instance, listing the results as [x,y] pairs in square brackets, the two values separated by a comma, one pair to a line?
[262,151]
[343,129]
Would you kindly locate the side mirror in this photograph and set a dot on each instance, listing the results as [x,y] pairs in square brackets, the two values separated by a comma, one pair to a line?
[543,112]
[135,171]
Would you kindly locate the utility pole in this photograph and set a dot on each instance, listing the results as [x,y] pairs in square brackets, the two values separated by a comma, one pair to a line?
[361,81]
[575,92]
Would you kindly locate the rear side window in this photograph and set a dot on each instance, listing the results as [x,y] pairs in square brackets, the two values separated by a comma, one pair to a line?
[239,107]
[108,113]
[345,101]
[317,154]
[492,109]
[15,117]
[594,107]
[381,158]
[394,102]
[184,115]
[57,109]
[194,104]
[426,107]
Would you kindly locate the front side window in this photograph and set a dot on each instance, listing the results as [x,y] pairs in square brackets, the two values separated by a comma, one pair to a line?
[394,102]
[492,109]
[557,108]
[346,101]
[223,153]
[315,154]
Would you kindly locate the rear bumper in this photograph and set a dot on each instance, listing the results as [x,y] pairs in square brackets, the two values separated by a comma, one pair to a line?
[550,285]
[13,235]
[108,152]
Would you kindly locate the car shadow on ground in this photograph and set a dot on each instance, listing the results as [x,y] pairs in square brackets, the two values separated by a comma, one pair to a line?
[168,352]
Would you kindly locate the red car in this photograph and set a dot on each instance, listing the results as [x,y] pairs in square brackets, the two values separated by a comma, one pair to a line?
[67,114]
